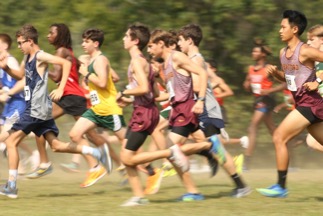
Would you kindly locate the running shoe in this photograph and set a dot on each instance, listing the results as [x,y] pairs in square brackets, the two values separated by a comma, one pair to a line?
[8,191]
[169,170]
[244,141]
[70,167]
[135,201]
[179,159]
[273,191]
[191,197]
[93,177]
[214,165]
[241,192]
[40,172]
[238,162]
[218,149]
[105,158]
[153,182]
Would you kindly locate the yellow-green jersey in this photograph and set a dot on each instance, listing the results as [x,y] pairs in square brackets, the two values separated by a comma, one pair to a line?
[103,100]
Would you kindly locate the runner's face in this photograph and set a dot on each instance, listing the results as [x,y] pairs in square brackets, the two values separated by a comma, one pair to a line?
[88,45]
[23,44]
[183,44]
[256,53]
[52,34]
[286,31]
[154,49]
[314,41]
[127,41]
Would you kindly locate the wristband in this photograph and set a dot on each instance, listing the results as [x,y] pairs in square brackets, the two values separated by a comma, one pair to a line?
[201,98]
[318,79]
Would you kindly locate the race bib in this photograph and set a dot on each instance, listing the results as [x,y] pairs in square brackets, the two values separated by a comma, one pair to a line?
[27,93]
[94,97]
[255,88]
[290,81]
[170,90]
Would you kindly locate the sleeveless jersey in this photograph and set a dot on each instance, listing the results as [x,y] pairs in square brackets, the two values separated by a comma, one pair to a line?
[296,74]
[103,100]
[259,80]
[8,82]
[179,87]
[147,99]
[38,102]
[211,106]
[72,86]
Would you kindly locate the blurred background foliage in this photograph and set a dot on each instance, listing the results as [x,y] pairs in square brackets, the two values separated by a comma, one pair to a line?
[229,27]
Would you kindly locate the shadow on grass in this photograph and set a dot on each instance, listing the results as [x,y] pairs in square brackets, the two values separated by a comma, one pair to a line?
[307,199]
[71,194]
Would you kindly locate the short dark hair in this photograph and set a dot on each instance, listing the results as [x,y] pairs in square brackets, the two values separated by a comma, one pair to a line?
[263,46]
[296,18]
[192,31]
[140,32]
[28,31]
[6,39]
[63,38]
[212,63]
[94,35]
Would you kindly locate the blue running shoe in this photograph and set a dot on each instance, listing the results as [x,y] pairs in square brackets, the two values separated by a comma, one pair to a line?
[190,197]
[273,191]
[8,191]
[218,149]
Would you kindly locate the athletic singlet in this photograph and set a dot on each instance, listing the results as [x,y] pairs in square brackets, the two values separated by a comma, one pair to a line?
[8,82]
[72,86]
[212,108]
[147,99]
[103,100]
[296,74]
[179,87]
[38,102]
[259,80]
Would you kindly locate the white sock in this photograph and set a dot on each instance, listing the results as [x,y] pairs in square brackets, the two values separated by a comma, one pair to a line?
[2,146]
[87,150]
[13,175]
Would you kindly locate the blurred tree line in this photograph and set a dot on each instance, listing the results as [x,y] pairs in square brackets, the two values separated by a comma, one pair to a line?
[229,26]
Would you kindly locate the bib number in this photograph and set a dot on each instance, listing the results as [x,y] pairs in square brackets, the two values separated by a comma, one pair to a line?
[170,90]
[256,87]
[27,93]
[290,81]
[94,98]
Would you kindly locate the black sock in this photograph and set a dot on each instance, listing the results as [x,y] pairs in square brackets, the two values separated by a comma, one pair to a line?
[282,175]
[150,170]
[237,180]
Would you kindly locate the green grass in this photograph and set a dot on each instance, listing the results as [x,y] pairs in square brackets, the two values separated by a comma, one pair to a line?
[59,194]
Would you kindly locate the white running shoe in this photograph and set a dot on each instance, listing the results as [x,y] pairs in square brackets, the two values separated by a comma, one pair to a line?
[179,159]
[244,141]
[135,201]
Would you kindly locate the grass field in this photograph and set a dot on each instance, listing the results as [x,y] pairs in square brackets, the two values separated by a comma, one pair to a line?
[59,194]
